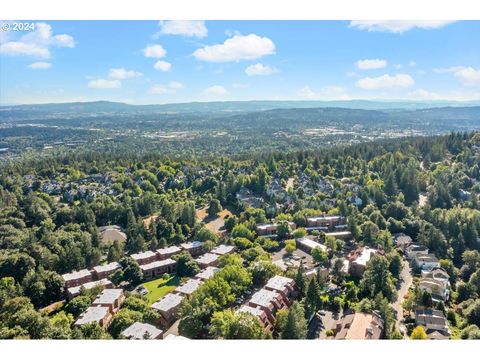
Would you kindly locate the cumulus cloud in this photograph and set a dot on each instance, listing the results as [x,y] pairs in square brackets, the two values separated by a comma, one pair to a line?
[162,65]
[122,74]
[385,82]
[397,26]
[40,65]
[467,75]
[104,84]
[238,47]
[368,64]
[187,28]
[170,88]
[154,51]
[215,90]
[37,43]
[325,93]
[260,69]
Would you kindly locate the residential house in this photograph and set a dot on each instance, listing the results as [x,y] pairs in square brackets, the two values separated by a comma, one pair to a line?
[260,314]
[269,301]
[434,323]
[415,249]
[111,299]
[426,261]
[95,314]
[437,288]
[359,258]
[168,307]
[207,273]
[77,278]
[270,230]
[326,223]
[282,285]
[75,290]
[359,326]
[104,271]
[223,249]
[158,268]
[189,287]
[142,331]
[145,257]
[308,245]
[207,260]
[195,248]
[168,252]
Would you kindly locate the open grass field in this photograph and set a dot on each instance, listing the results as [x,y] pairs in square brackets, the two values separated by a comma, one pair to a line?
[160,287]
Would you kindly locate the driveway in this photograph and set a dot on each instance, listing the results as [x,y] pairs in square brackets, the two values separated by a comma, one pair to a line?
[405,282]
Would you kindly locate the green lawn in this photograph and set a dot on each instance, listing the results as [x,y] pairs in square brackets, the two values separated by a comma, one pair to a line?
[160,287]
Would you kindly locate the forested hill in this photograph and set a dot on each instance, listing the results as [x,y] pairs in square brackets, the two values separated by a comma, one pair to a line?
[76,108]
[112,127]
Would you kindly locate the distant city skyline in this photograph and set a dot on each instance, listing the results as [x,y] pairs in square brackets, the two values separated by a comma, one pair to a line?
[157,62]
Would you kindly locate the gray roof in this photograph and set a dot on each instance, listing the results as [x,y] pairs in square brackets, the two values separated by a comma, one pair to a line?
[189,287]
[157,264]
[92,314]
[263,297]
[223,249]
[76,274]
[207,258]
[169,250]
[141,331]
[143,255]
[107,267]
[279,282]
[90,285]
[108,296]
[207,273]
[168,302]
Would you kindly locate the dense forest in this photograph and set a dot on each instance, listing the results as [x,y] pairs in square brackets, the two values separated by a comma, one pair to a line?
[51,208]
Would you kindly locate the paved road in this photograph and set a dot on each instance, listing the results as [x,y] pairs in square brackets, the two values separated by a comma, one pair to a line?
[406,280]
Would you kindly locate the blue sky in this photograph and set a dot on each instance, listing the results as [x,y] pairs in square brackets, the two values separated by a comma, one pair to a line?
[144,62]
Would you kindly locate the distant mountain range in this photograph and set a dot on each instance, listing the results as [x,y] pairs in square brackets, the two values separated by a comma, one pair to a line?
[228,106]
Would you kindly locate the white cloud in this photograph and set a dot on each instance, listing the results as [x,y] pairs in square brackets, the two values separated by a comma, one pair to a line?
[260,69]
[368,64]
[162,65]
[122,74]
[187,28]
[154,51]
[412,63]
[424,94]
[64,40]
[238,47]
[170,88]
[37,43]
[467,75]
[215,90]
[325,93]
[351,74]
[104,84]
[175,85]
[40,65]
[385,82]
[397,26]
